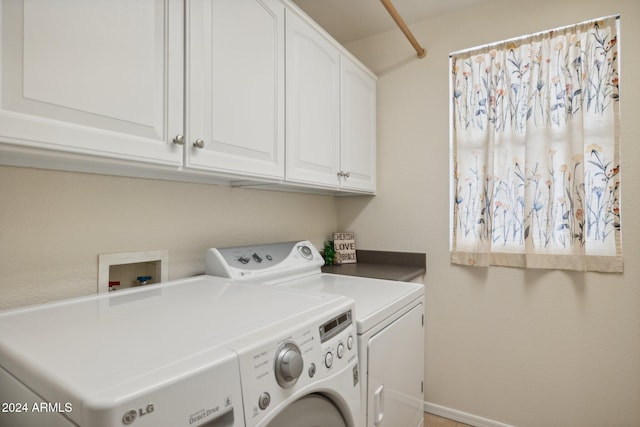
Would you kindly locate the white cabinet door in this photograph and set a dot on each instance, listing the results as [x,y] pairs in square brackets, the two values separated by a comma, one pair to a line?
[357,128]
[235,87]
[396,371]
[313,105]
[103,78]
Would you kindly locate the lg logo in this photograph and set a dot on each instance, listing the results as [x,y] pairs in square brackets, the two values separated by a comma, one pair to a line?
[133,414]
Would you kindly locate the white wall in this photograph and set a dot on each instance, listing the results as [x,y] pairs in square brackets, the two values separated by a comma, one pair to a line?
[527,348]
[53,225]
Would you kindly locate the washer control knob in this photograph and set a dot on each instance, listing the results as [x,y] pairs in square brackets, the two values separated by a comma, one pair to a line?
[350,342]
[312,370]
[264,400]
[340,351]
[328,360]
[289,364]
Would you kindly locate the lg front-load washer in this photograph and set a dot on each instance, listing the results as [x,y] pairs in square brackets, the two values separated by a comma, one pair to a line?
[304,375]
[389,321]
[196,352]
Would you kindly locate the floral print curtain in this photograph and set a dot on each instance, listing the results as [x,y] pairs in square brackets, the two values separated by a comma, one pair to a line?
[535,151]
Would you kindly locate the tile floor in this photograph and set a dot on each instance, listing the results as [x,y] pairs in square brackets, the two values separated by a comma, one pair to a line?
[435,421]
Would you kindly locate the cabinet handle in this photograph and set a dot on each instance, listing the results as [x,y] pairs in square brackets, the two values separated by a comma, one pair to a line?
[198,143]
[179,139]
[346,174]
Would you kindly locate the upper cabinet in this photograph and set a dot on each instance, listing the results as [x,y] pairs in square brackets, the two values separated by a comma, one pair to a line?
[235,87]
[248,91]
[313,105]
[331,113]
[357,127]
[92,78]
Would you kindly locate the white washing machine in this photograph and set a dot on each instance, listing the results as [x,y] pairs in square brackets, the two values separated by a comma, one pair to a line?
[389,318]
[195,352]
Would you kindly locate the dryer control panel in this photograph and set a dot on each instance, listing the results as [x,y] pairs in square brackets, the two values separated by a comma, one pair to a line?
[319,356]
[264,262]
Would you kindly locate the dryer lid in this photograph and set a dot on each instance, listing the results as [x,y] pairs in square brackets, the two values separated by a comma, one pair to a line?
[375,299]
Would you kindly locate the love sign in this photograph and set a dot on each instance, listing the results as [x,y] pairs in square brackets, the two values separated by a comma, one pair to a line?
[345,247]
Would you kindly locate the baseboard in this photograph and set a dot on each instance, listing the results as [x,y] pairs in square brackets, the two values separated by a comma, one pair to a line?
[462,417]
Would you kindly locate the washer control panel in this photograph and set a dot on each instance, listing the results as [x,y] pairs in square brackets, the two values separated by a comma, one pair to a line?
[273,371]
[263,261]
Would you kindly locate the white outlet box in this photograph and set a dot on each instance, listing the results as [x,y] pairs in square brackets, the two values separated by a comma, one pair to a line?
[132,264]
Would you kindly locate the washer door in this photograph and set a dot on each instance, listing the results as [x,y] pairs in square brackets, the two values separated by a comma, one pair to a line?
[313,410]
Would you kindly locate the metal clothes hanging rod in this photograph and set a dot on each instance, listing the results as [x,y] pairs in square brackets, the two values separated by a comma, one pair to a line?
[407,32]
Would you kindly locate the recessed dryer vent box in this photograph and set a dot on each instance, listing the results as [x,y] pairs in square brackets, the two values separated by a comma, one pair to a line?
[129,269]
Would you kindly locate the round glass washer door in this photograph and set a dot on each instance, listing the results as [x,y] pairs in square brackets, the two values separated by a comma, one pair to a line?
[313,410]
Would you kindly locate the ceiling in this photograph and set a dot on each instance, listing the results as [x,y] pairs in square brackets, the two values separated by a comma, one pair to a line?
[349,20]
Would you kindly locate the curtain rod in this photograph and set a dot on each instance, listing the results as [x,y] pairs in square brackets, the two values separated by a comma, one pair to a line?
[407,32]
[515,39]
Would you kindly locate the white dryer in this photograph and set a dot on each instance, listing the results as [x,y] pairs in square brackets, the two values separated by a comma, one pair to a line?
[389,318]
[195,352]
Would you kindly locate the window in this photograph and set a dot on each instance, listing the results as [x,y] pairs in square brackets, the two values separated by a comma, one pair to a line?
[535,151]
